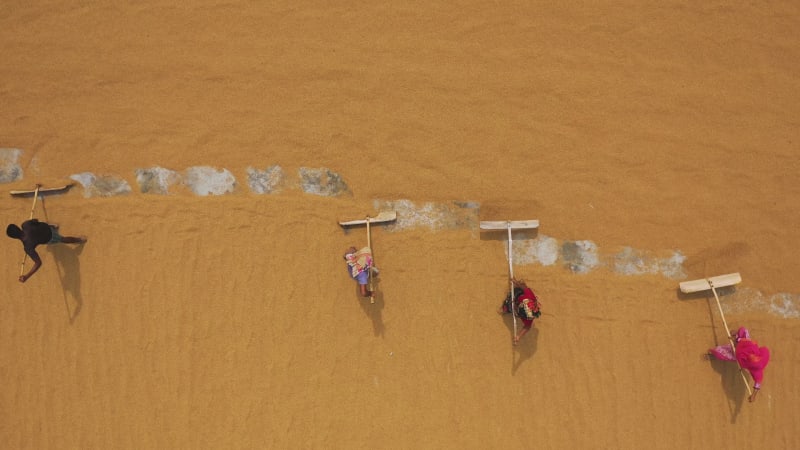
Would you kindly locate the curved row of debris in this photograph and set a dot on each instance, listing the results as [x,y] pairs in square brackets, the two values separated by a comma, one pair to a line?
[205,180]
[580,256]
[528,247]
[200,180]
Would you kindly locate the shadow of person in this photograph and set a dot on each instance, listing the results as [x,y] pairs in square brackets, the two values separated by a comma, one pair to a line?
[732,384]
[373,310]
[68,267]
[525,349]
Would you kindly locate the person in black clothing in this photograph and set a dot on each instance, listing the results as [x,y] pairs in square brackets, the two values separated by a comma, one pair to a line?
[34,233]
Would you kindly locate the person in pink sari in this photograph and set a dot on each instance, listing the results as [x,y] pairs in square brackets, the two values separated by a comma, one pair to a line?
[747,353]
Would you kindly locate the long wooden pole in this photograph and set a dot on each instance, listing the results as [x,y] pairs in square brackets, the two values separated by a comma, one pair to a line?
[730,338]
[25,255]
[369,244]
[511,279]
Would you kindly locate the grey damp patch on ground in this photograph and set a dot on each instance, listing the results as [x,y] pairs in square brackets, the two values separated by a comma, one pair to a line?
[10,170]
[744,300]
[543,250]
[101,186]
[785,305]
[323,182]
[468,205]
[631,261]
[268,181]
[156,180]
[205,180]
[580,256]
[431,215]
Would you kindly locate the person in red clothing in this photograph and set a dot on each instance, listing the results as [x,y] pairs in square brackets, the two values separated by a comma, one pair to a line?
[747,353]
[525,304]
[34,233]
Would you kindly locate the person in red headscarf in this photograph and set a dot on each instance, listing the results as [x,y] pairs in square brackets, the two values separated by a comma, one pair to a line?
[747,353]
[525,305]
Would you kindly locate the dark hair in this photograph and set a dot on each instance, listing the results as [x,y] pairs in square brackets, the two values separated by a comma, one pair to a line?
[13,231]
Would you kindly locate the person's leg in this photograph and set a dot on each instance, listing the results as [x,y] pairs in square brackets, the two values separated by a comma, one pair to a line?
[363,279]
[57,238]
[522,332]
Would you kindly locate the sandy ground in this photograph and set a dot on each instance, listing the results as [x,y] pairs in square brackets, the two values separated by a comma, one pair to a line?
[666,130]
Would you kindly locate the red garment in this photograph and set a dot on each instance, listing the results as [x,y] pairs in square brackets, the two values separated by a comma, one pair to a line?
[526,299]
[753,358]
[748,354]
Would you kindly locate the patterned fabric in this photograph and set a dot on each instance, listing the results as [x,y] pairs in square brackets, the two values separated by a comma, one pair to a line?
[723,352]
[526,308]
[528,304]
[359,261]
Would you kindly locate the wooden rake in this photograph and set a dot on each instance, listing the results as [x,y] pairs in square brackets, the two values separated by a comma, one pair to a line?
[713,283]
[382,217]
[509,225]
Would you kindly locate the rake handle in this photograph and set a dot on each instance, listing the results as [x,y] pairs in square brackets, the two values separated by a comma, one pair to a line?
[511,279]
[25,255]
[727,330]
[369,245]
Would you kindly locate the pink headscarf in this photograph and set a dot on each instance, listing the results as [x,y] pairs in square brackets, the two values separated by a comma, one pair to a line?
[743,333]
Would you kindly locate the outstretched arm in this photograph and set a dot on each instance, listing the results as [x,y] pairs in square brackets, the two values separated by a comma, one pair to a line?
[37,262]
